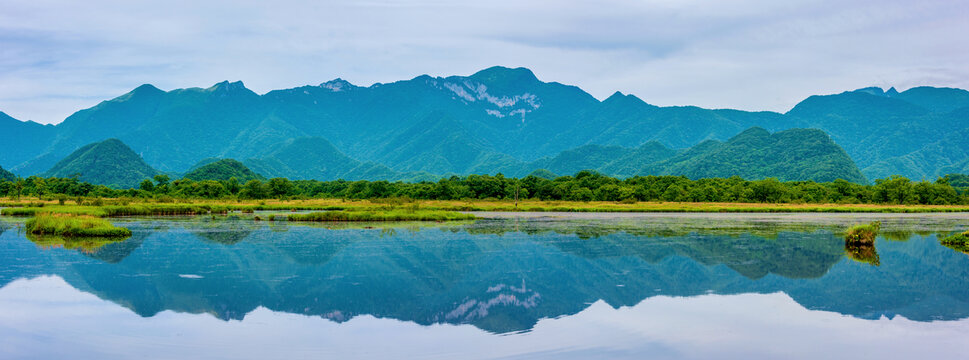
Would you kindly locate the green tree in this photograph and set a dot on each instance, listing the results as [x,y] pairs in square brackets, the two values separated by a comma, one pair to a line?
[147,185]
[279,187]
[253,189]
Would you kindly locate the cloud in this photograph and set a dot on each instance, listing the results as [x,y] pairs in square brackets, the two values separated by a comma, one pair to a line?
[58,56]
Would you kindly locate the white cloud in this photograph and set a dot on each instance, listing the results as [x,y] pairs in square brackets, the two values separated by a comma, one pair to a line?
[58,56]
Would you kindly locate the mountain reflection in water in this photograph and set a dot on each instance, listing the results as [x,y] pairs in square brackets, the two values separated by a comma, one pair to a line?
[502,275]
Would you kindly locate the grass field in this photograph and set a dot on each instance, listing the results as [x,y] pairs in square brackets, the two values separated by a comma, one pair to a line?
[68,225]
[30,207]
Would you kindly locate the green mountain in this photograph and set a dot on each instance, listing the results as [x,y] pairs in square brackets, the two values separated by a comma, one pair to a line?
[914,133]
[109,162]
[796,154]
[22,140]
[496,120]
[316,158]
[6,175]
[612,160]
[223,169]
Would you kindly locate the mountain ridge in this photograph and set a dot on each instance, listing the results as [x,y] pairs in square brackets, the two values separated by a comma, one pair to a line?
[501,116]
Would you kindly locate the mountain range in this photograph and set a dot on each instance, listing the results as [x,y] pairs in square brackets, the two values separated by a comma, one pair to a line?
[797,154]
[503,120]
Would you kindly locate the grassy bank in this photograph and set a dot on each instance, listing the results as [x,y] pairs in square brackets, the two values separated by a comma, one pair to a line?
[31,207]
[391,215]
[73,225]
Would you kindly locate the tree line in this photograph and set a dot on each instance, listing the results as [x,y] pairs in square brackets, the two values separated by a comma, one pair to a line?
[583,186]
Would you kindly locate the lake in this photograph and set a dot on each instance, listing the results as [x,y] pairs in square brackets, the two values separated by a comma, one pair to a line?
[664,286]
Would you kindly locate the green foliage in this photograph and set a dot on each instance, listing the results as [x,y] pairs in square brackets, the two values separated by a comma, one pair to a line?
[223,170]
[73,225]
[584,186]
[960,238]
[958,242]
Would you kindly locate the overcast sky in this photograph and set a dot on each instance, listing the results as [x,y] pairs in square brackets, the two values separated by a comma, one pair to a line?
[59,56]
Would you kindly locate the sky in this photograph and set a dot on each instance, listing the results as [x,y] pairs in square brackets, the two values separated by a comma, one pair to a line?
[60,56]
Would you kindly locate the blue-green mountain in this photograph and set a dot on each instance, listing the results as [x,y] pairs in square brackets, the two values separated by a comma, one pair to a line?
[6,175]
[109,162]
[222,169]
[492,121]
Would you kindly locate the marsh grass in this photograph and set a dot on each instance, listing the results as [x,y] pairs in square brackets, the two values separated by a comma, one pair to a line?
[73,226]
[387,215]
[961,238]
[958,242]
[863,233]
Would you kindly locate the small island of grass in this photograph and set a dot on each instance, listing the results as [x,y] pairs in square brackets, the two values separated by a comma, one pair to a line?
[957,239]
[959,242]
[388,215]
[863,233]
[73,226]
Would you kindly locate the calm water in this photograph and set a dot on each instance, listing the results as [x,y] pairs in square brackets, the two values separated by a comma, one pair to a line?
[542,286]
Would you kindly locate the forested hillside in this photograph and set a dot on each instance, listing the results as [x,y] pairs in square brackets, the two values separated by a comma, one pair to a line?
[493,121]
[223,169]
[109,162]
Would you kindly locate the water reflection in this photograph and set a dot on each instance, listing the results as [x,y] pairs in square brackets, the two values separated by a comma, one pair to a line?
[503,276]
[864,253]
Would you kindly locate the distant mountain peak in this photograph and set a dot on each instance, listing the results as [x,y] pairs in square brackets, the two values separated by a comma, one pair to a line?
[871,90]
[615,96]
[338,85]
[877,91]
[146,88]
[624,99]
[501,74]
[226,86]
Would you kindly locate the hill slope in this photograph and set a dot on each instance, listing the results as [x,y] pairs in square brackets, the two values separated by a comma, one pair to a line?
[109,162]
[796,154]
[6,175]
[316,158]
[223,169]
